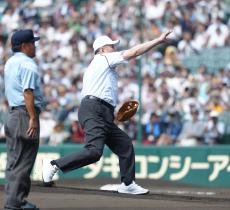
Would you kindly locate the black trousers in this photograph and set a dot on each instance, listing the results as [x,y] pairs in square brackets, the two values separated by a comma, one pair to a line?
[21,156]
[97,119]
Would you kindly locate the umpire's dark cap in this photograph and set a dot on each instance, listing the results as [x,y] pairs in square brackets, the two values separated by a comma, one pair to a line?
[23,36]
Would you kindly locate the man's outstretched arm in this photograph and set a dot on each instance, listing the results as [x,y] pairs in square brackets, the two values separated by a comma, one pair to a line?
[145,47]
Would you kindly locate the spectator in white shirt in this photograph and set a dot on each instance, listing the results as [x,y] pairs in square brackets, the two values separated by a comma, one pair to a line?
[214,129]
[217,33]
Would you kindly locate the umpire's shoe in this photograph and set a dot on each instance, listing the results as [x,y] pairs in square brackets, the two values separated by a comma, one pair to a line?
[48,172]
[29,206]
[25,206]
[133,188]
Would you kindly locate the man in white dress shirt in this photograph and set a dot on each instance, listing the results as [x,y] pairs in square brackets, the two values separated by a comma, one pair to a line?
[96,115]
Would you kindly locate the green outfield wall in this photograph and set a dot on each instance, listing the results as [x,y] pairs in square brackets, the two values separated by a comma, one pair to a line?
[202,166]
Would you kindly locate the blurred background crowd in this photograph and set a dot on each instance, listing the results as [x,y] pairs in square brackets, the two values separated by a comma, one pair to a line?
[185,101]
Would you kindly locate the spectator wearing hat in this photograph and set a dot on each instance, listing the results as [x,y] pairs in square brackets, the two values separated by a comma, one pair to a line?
[172,128]
[217,33]
[153,129]
[192,130]
[24,96]
[185,46]
[58,135]
[155,65]
[213,129]
[158,65]
[171,58]
[76,132]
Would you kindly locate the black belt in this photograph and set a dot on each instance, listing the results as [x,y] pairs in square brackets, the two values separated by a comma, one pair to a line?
[23,107]
[100,100]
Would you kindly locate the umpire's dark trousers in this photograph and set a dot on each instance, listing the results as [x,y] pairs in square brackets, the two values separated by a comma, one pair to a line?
[97,119]
[20,160]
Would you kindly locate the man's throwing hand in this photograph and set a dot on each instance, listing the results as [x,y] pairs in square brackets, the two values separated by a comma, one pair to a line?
[164,36]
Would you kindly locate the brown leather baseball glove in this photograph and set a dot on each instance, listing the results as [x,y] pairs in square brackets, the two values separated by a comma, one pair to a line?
[127,110]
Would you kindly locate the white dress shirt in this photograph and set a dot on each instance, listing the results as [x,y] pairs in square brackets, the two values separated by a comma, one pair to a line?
[100,78]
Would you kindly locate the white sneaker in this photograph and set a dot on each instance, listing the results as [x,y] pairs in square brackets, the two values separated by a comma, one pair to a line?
[133,188]
[48,172]
[110,187]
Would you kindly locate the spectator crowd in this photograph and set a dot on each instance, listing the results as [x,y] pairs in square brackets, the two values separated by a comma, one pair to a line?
[178,106]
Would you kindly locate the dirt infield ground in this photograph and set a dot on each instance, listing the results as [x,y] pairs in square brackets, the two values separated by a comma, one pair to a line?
[85,195]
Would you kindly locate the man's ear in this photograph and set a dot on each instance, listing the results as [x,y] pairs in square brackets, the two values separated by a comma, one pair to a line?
[23,46]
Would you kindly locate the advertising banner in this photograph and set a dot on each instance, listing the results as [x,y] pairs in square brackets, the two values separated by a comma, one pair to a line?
[201,166]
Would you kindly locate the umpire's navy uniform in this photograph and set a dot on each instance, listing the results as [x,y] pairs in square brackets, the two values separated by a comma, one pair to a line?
[20,74]
[96,115]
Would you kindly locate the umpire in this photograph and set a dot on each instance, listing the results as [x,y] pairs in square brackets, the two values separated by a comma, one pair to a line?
[23,92]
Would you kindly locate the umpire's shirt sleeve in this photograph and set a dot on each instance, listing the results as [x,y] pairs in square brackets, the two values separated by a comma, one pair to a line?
[29,76]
